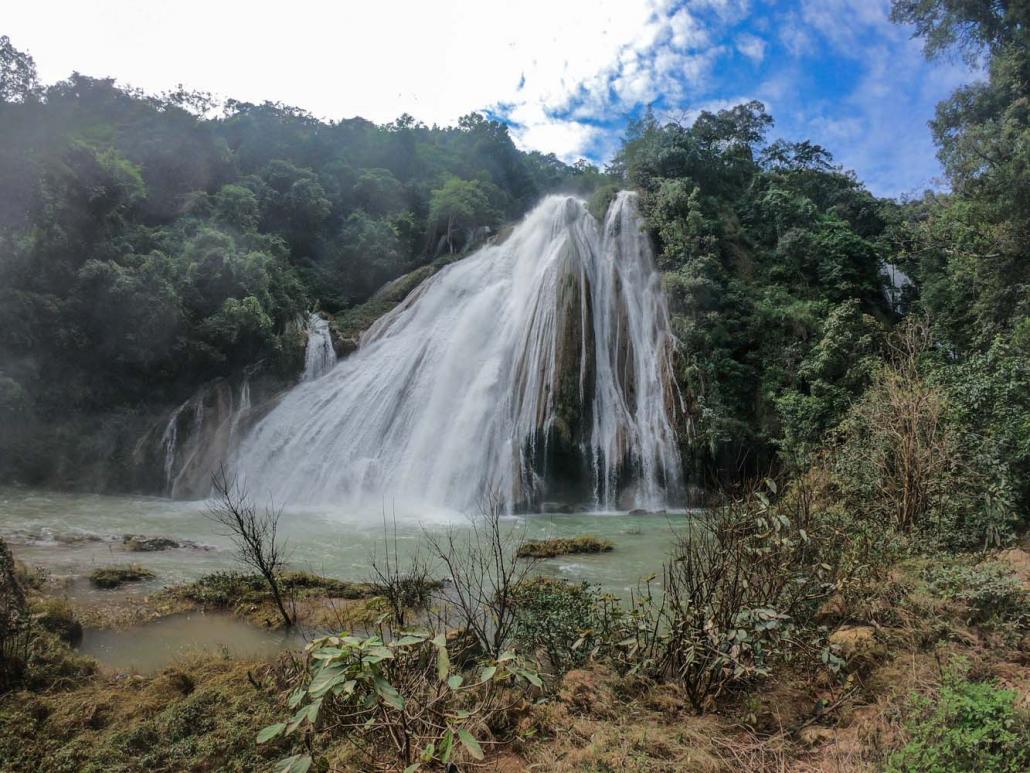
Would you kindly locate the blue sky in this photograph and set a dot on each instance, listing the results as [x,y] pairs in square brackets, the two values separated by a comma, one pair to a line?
[565,74]
[834,71]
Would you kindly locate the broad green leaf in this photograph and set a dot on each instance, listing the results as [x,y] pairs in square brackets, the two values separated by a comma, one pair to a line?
[455,682]
[389,693]
[413,768]
[530,677]
[347,687]
[409,639]
[270,732]
[298,763]
[326,678]
[487,673]
[470,743]
[326,653]
[296,697]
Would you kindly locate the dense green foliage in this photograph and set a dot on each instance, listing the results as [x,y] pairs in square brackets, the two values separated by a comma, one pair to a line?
[970,726]
[148,245]
[772,259]
[406,697]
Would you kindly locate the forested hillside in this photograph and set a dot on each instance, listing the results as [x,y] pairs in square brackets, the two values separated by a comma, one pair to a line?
[794,346]
[839,381]
[151,243]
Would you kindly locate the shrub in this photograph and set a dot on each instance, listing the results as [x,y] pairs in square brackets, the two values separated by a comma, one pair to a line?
[741,589]
[56,616]
[901,456]
[113,576]
[406,585]
[968,726]
[990,590]
[559,619]
[229,589]
[401,698]
[549,548]
[483,571]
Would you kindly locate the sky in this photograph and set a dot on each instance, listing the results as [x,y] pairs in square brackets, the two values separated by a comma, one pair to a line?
[565,75]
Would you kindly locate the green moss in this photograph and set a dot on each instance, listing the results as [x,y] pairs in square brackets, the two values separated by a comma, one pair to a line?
[143,724]
[230,589]
[550,548]
[113,576]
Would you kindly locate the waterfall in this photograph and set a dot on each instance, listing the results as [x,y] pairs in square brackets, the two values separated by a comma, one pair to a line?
[538,363]
[319,356]
[895,282]
[240,411]
[170,444]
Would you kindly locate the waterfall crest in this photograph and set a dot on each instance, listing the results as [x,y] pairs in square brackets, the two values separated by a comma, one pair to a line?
[319,355]
[531,365]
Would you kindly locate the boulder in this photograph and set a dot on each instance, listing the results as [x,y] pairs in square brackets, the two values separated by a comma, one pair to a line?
[556,507]
[858,645]
[138,543]
[813,735]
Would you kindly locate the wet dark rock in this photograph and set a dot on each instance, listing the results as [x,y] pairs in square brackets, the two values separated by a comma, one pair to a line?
[138,543]
[556,507]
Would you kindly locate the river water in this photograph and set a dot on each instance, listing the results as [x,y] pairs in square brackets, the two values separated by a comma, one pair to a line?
[71,534]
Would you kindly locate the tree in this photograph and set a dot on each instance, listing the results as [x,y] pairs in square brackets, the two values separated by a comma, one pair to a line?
[971,25]
[460,204]
[18,80]
[255,535]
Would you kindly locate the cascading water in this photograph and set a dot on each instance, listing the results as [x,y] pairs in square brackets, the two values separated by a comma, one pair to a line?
[199,435]
[491,376]
[319,355]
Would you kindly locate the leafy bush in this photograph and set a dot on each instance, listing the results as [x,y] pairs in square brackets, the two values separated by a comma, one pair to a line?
[560,619]
[402,698]
[990,590]
[900,456]
[968,726]
[740,591]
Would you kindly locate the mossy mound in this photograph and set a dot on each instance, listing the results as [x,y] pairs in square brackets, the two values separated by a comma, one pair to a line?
[113,576]
[549,548]
[229,589]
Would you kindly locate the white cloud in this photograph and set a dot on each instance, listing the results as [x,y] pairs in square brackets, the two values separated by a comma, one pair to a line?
[559,72]
[751,46]
[436,61]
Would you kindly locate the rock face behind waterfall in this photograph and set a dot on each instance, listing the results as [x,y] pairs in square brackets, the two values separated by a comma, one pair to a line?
[536,369]
[185,450]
